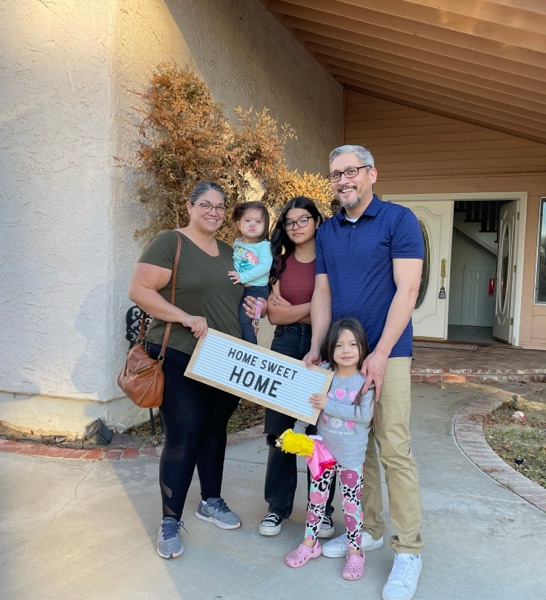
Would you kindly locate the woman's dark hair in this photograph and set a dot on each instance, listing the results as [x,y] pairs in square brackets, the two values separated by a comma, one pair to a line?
[329,345]
[240,209]
[281,245]
[203,188]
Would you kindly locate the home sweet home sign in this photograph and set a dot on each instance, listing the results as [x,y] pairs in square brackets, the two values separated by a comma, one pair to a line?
[259,375]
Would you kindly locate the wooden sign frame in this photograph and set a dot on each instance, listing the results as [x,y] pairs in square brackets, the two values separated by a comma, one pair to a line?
[257,374]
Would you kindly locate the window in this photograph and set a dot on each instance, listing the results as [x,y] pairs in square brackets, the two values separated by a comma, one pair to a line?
[540,284]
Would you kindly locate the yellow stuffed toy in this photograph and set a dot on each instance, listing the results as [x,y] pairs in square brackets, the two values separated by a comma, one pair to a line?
[295,443]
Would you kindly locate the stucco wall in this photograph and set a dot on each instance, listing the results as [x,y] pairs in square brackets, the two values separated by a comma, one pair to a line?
[258,63]
[57,142]
[68,213]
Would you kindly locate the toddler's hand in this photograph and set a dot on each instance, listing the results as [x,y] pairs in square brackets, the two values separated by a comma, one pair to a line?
[234,276]
[318,401]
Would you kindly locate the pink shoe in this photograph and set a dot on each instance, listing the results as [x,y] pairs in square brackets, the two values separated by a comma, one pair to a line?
[299,556]
[354,567]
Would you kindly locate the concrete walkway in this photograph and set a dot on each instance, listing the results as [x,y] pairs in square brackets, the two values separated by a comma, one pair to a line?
[86,529]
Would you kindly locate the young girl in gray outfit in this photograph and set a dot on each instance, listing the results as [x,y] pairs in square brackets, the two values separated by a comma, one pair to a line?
[343,424]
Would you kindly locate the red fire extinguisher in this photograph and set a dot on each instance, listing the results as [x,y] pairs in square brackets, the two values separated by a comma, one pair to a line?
[491,288]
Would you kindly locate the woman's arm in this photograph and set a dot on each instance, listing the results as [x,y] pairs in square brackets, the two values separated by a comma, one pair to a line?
[145,284]
[281,312]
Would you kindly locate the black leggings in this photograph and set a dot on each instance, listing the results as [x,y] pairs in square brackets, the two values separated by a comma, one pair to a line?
[195,416]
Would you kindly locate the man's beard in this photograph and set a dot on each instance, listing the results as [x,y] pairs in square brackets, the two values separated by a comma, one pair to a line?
[349,204]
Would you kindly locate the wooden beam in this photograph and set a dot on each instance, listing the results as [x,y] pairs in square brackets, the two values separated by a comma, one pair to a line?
[508,95]
[406,44]
[445,106]
[469,103]
[424,61]
[509,43]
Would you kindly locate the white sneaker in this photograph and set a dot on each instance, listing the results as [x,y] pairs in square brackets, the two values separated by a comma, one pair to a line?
[402,581]
[338,547]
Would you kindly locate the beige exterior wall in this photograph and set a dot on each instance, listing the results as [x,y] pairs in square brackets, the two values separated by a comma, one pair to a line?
[68,213]
[421,153]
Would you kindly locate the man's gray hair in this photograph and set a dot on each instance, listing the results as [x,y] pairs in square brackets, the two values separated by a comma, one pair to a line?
[365,156]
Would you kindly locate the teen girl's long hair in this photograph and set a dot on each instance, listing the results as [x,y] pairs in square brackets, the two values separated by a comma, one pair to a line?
[281,245]
[329,345]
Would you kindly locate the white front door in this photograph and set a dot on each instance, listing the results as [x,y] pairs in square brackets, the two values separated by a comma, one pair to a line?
[503,324]
[430,317]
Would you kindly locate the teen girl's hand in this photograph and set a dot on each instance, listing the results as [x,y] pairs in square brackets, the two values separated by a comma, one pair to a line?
[197,325]
[318,401]
[234,276]
[277,300]
[313,357]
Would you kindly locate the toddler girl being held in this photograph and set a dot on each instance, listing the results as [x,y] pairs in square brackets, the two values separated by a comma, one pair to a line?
[251,257]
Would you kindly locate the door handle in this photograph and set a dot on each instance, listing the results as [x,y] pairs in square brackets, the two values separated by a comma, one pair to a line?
[443,273]
[443,269]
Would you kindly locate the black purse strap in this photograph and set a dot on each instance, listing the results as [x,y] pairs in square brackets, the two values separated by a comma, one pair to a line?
[173,291]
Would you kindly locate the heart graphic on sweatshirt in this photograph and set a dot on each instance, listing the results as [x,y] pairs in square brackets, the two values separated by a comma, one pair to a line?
[352,395]
[340,394]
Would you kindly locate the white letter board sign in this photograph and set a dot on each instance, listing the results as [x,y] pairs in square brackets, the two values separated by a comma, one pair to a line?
[259,375]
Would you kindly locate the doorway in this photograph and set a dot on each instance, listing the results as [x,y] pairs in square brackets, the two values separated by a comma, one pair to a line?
[471,285]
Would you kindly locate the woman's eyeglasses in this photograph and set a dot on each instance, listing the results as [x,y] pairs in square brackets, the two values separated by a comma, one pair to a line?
[207,207]
[301,223]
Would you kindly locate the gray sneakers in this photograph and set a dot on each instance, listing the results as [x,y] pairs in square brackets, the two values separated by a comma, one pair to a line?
[168,538]
[216,511]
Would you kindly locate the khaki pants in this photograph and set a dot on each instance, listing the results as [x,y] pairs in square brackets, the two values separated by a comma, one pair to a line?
[393,439]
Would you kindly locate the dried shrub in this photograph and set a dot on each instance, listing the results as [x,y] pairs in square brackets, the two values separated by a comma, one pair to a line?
[184,138]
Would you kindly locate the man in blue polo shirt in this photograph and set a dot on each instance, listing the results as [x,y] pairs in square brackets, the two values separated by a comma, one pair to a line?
[369,261]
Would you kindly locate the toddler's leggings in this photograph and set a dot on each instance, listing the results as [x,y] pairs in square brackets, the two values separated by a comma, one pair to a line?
[350,490]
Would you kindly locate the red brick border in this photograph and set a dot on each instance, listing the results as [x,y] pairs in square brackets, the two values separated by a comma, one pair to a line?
[44,451]
[469,436]
[476,375]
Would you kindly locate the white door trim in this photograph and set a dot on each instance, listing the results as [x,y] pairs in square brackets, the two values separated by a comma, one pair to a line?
[521,198]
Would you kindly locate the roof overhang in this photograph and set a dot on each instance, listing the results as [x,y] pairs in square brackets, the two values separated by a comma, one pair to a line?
[483,62]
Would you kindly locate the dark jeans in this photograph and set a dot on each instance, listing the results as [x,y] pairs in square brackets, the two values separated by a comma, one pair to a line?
[281,476]
[249,335]
[195,416]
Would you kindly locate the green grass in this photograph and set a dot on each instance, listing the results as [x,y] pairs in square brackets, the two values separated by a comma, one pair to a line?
[522,440]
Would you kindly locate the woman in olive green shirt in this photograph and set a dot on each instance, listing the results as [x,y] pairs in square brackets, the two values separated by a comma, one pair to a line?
[195,415]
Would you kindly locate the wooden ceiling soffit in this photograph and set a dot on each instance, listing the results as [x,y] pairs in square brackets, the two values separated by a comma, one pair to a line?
[481,62]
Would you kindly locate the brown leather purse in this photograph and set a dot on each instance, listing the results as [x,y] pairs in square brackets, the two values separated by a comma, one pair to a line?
[141,379]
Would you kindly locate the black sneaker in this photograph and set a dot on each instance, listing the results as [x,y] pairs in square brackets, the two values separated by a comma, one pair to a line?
[271,524]
[326,528]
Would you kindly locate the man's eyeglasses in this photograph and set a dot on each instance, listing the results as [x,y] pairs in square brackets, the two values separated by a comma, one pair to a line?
[301,223]
[207,207]
[349,173]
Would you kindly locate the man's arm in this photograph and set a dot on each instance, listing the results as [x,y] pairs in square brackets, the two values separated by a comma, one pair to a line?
[321,318]
[407,277]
